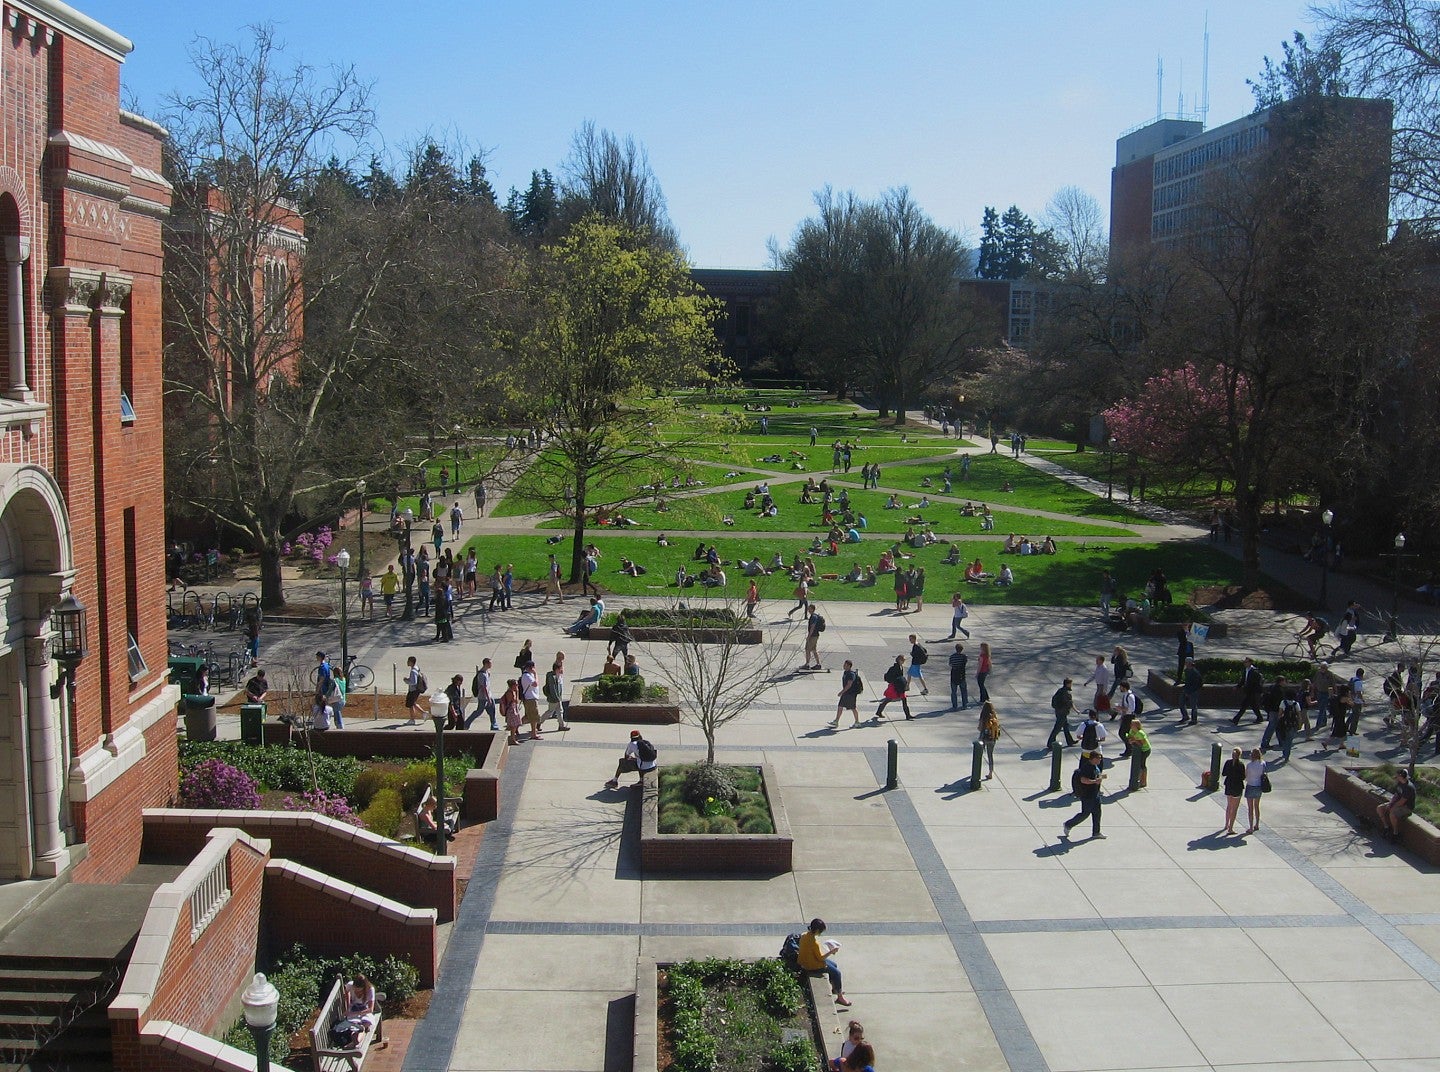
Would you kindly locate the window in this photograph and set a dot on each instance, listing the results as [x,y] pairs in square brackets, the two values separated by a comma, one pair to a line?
[127,360]
[138,669]
[276,281]
[127,410]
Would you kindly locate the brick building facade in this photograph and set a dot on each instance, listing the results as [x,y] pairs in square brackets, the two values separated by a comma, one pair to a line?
[81,502]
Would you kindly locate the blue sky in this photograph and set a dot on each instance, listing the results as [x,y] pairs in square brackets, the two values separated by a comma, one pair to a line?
[747,108]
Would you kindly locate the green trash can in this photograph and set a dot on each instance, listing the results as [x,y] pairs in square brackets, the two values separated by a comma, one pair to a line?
[199,716]
[252,721]
[185,671]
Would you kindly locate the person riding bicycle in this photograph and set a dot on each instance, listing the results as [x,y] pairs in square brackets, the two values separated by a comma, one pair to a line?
[1315,628]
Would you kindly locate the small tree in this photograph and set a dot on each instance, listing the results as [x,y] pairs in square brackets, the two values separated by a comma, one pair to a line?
[717,679]
[1421,650]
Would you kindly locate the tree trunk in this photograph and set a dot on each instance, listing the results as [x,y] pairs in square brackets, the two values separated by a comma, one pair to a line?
[1247,516]
[899,416]
[709,745]
[272,591]
[577,547]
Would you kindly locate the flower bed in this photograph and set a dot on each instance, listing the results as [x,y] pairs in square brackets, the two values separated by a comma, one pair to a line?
[1222,680]
[625,698]
[725,1015]
[701,852]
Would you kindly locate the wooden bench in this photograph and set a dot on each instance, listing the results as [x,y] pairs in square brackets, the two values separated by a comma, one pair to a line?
[333,1009]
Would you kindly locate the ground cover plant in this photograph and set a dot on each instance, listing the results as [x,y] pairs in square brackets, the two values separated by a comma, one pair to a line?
[1228,671]
[1070,578]
[1176,491]
[670,617]
[713,798]
[732,1016]
[623,688]
[1427,787]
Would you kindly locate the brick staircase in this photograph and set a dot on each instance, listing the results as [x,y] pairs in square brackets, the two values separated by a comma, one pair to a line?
[52,1012]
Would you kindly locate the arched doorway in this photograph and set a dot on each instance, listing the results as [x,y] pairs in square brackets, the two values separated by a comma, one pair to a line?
[35,572]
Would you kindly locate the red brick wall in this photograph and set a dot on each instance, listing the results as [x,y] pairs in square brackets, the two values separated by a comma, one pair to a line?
[319,845]
[110,824]
[328,924]
[200,981]
[1132,189]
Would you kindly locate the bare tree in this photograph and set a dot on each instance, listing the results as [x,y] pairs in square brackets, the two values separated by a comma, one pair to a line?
[1076,227]
[714,674]
[613,178]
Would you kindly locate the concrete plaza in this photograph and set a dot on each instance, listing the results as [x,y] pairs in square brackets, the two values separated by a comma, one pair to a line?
[972,937]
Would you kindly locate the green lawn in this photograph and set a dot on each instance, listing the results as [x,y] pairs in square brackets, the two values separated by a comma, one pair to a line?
[1068,579]
[1096,465]
[475,462]
[706,513]
[749,451]
[1031,488]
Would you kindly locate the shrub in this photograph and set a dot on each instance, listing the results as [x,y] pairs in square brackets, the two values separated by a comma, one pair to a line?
[1178,612]
[1227,671]
[706,781]
[323,804]
[216,784]
[385,813]
[369,782]
[616,688]
[721,824]
[758,999]
[278,768]
[711,617]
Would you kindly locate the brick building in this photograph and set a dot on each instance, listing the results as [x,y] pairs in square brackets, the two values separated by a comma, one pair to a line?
[81,502]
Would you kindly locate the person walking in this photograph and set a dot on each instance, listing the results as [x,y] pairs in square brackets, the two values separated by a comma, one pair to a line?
[1232,776]
[1128,706]
[1184,649]
[895,688]
[814,626]
[457,515]
[480,687]
[982,671]
[1086,784]
[510,709]
[1107,593]
[851,685]
[916,588]
[480,499]
[919,656]
[1190,687]
[958,613]
[555,692]
[530,698]
[455,694]
[989,730]
[1100,678]
[1357,700]
[1256,783]
[1274,699]
[1120,670]
[1062,703]
[958,662]
[1252,685]
[552,582]
[415,684]
[802,599]
[752,598]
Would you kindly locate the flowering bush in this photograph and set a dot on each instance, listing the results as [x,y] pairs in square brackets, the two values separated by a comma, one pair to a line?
[335,807]
[216,784]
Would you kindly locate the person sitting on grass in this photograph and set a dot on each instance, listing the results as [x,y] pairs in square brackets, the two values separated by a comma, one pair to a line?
[1007,577]
[630,569]
[975,573]
[892,503]
[1048,547]
[852,535]
[886,563]
[662,540]
[953,557]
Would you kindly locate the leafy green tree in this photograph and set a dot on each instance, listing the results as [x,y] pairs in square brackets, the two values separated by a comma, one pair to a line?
[615,327]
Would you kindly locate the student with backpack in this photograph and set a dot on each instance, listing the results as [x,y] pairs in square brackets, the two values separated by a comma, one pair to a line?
[554,690]
[813,628]
[1092,733]
[919,656]
[851,686]
[989,733]
[1062,703]
[640,756]
[895,688]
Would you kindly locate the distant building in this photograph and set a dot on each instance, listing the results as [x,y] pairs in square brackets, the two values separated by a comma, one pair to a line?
[1157,187]
[748,294]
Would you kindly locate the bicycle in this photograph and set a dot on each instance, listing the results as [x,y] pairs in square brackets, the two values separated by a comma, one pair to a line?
[357,674]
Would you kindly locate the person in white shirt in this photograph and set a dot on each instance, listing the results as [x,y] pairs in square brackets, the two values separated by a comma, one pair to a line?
[639,756]
[1100,678]
[530,699]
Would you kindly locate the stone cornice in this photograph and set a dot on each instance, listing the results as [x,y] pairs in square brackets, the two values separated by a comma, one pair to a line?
[74,289]
[72,23]
[143,206]
[143,122]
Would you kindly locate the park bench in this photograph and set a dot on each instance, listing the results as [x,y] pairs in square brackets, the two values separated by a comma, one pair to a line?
[328,1058]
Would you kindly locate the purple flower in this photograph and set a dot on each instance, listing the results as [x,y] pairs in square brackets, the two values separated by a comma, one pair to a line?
[335,807]
[216,784]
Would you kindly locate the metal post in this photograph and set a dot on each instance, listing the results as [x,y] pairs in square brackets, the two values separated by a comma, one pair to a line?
[1134,782]
[440,786]
[1214,766]
[360,487]
[977,757]
[892,764]
[262,1046]
[1056,755]
[344,626]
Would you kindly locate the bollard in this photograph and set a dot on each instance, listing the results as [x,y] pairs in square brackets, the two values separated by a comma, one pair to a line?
[1056,755]
[892,764]
[977,758]
[1214,766]
[1134,782]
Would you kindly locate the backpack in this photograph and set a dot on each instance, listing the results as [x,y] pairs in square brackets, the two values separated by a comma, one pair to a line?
[344,1034]
[790,952]
[1139,706]
[921,657]
[420,683]
[992,729]
[1077,787]
[1290,716]
[858,685]
[552,686]
[819,623]
[1090,736]
[645,750]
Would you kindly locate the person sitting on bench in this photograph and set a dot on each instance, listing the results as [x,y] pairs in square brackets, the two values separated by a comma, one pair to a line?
[431,825]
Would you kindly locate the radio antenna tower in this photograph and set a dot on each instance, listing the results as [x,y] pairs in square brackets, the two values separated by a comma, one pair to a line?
[1159,86]
[1205,75]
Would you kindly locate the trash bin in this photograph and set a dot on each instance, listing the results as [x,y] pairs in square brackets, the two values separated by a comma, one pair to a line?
[185,671]
[199,717]
[252,720]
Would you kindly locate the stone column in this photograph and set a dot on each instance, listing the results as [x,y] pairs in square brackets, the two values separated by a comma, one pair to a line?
[17,252]
[42,716]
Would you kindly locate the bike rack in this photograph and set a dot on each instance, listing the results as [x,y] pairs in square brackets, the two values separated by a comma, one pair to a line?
[192,617]
[222,612]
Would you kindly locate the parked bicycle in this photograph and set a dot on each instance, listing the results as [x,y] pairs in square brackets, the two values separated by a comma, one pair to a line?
[357,674]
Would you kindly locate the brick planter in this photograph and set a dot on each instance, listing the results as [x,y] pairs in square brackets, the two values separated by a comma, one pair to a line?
[1163,688]
[649,714]
[666,635]
[1361,798]
[828,1033]
[705,853]
[1218,630]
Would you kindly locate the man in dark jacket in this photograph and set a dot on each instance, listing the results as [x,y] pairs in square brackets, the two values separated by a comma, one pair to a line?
[895,688]
[1252,684]
[1063,703]
[1190,694]
[958,663]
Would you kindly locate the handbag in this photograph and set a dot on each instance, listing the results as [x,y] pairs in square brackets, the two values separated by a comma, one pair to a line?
[1264,783]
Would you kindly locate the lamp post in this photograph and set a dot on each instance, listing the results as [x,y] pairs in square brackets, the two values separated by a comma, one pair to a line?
[343,561]
[1110,482]
[261,1005]
[1394,625]
[407,563]
[439,714]
[67,647]
[457,461]
[1327,518]
[360,490]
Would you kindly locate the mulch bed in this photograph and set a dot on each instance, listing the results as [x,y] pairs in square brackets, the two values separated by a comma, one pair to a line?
[1234,597]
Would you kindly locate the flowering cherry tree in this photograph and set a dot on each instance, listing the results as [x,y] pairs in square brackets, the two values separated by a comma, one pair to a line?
[1179,417]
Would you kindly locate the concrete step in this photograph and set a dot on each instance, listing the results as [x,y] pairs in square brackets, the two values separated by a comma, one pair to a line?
[67,979]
